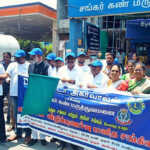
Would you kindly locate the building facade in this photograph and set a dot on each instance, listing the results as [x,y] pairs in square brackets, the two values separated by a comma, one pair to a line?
[113,28]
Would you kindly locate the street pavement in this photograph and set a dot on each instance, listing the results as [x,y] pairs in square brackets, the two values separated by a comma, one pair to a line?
[18,144]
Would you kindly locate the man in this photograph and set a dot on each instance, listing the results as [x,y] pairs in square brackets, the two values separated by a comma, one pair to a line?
[121,58]
[2,121]
[20,67]
[81,62]
[52,65]
[70,74]
[109,62]
[51,59]
[37,67]
[96,78]
[59,62]
[5,62]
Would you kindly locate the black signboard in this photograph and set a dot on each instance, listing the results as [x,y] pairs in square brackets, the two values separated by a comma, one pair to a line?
[92,37]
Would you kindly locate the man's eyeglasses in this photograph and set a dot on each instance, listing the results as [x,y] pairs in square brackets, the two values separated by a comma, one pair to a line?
[138,70]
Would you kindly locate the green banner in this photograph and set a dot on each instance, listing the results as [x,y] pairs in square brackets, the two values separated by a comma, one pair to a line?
[39,93]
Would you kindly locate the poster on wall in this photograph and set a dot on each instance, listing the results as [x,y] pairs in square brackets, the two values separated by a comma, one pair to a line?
[92,37]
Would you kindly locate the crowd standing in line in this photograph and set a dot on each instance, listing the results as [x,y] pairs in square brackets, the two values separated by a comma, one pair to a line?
[73,72]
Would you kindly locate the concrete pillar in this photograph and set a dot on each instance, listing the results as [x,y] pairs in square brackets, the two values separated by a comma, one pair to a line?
[75,34]
[55,37]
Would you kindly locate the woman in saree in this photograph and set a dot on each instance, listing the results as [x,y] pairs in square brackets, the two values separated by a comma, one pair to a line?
[115,82]
[140,84]
[130,68]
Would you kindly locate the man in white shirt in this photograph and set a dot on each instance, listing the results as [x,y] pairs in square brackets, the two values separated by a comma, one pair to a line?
[96,78]
[2,121]
[59,63]
[109,62]
[81,62]
[52,64]
[20,67]
[70,74]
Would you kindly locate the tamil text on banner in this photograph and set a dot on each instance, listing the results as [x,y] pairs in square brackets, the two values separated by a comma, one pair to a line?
[94,120]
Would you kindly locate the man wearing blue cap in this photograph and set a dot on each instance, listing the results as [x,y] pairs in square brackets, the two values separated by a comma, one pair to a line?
[70,74]
[81,62]
[20,67]
[96,79]
[52,64]
[59,62]
[37,67]
[51,59]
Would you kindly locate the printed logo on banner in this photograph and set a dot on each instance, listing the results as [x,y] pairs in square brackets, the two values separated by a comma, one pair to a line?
[123,117]
[136,108]
[25,82]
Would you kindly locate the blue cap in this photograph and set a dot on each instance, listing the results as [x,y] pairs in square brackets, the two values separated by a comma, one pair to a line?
[81,53]
[96,63]
[36,51]
[93,57]
[116,61]
[59,59]
[51,56]
[70,54]
[20,53]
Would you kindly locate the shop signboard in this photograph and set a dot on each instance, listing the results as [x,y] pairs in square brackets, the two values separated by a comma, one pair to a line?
[138,29]
[92,37]
[85,8]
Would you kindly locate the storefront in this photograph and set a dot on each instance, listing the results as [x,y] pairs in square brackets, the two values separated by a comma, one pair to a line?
[138,32]
[113,15]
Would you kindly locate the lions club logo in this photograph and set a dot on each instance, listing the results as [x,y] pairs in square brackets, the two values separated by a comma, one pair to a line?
[123,117]
[136,108]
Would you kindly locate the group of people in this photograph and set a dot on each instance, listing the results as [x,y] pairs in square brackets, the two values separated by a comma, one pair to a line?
[73,72]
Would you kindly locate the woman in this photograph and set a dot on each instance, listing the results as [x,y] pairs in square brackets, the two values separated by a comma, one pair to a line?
[135,57]
[139,85]
[114,82]
[130,68]
[147,71]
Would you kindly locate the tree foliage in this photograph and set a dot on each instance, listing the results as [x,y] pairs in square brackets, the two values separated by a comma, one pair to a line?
[28,45]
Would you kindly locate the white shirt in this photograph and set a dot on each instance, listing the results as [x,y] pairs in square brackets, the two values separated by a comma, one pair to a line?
[100,80]
[104,64]
[85,68]
[15,69]
[55,74]
[51,71]
[2,71]
[74,74]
